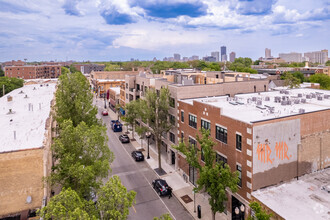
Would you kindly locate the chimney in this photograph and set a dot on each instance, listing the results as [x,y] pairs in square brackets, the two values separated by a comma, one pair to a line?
[9,98]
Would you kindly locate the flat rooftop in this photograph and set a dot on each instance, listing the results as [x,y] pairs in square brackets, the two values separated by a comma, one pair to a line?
[27,119]
[306,198]
[254,107]
[116,89]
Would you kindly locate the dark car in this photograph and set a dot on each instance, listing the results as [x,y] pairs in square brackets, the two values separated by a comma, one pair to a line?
[138,155]
[124,138]
[161,187]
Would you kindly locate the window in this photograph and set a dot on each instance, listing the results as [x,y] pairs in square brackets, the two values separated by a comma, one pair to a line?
[126,85]
[137,87]
[221,134]
[172,102]
[192,141]
[193,121]
[238,142]
[239,169]
[164,135]
[172,119]
[219,158]
[206,125]
[182,136]
[182,116]
[202,155]
[172,137]
[193,175]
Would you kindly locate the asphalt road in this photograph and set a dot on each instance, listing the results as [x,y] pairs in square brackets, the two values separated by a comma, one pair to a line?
[138,176]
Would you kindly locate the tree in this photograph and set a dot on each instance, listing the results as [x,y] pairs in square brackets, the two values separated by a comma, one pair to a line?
[260,214]
[327,63]
[114,200]
[322,79]
[299,75]
[214,177]
[257,62]
[2,73]
[66,205]
[131,114]
[154,110]
[10,84]
[290,80]
[163,217]
[82,157]
[74,100]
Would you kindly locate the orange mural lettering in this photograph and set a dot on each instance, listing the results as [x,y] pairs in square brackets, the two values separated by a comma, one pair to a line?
[264,152]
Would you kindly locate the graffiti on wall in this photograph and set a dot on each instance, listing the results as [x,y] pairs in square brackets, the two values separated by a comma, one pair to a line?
[267,154]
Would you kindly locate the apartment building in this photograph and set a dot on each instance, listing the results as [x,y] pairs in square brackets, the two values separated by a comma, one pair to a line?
[291,57]
[33,72]
[317,56]
[268,137]
[182,86]
[25,154]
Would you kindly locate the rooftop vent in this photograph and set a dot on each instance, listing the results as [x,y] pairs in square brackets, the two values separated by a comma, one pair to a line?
[303,100]
[301,111]
[26,96]
[9,98]
[259,102]
[21,92]
[267,98]
[284,102]
[254,99]
[296,101]
[308,96]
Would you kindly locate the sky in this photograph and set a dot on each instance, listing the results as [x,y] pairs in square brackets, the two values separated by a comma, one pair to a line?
[118,30]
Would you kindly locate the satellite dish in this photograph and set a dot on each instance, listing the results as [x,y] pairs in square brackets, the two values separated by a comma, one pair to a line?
[29,199]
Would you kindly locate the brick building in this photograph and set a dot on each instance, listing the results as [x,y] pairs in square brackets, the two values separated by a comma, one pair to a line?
[33,72]
[268,137]
[183,87]
[25,154]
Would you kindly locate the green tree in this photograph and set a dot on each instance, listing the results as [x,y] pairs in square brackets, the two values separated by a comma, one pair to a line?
[327,63]
[10,84]
[214,178]
[299,75]
[163,217]
[64,70]
[66,205]
[2,73]
[260,214]
[131,114]
[73,69]
[154,110]
[114,201]
[322,79]
[82,157]
[257,62]
[74,100]
[290,80]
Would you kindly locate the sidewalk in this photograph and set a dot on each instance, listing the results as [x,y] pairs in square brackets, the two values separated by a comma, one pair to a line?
[182,190]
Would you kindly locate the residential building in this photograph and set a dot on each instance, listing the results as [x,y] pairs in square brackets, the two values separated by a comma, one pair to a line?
[25,154]
[33,71]
[114,97]
[216,54]
[188,84]
[177,57]
[291,57]
[88,68]
[232,56]
[268,137]
[268,53]
[317,56]
[223,53]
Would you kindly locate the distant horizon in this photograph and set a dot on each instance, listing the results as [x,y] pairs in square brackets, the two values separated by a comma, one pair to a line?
[123,29]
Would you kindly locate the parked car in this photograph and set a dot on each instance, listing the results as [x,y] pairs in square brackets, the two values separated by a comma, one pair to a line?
[124,138]
[105,113]
[138,155]
[161,187]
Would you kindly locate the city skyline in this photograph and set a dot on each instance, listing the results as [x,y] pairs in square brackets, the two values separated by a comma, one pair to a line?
[119,30]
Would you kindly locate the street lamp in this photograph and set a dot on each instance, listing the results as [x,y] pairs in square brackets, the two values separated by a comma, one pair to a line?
[148,135]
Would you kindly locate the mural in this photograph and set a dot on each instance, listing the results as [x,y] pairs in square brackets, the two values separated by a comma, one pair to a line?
[275,144]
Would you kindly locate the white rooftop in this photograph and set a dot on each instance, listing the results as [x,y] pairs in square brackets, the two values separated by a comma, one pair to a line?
[253,107]
[306,198]
[116,89]
[28,117]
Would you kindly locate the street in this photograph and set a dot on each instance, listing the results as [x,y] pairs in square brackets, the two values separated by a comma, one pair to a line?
[138,176]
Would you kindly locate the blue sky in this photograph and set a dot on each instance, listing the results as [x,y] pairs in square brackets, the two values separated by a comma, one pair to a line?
[104,30]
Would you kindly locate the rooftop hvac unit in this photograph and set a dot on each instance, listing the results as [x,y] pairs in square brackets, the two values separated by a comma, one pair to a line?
[326,96]
[272,110]
[296,101]
[254,99]
[301,111]
[299,95]
[308,96]
[277,99]
[284,102]
[313,95]
[283,97]
[288,102]
[303,100]
[267,98]
[286,92]
[319,98]
[282,91]
[259,102]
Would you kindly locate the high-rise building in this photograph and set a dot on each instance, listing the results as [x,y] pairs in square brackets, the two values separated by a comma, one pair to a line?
[291,57]
[268,53]
[232,56]
[215,54]
[177,57]
[194,57]
[223,50]
[317,56]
